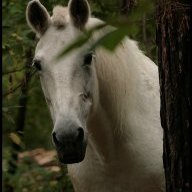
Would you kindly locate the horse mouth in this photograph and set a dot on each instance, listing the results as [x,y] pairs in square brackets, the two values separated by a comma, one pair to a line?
[71,156]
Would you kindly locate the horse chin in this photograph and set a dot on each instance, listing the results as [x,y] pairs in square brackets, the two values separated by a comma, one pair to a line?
[71,159]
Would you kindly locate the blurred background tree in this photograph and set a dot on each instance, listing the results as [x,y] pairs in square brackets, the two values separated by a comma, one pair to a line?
[26,120]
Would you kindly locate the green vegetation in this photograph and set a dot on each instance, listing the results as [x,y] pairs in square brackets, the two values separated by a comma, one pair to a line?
[30,177]
[18,48]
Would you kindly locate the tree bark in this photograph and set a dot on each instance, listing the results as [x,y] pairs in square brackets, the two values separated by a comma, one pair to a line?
[174,60]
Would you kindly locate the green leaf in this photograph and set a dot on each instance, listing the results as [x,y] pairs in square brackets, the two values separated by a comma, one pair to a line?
[77,43]
[15,138]
[81,40]
[112,39]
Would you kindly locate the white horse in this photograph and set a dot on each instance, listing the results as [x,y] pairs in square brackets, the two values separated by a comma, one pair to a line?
[104,105]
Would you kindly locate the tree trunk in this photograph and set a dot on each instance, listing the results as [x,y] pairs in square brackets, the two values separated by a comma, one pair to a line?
[174,56]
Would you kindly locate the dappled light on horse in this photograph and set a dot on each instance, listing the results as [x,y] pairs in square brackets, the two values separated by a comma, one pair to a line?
[104,105]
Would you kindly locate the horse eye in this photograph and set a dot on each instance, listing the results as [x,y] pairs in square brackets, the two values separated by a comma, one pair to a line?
[85,96]
[37,64]
[88,59]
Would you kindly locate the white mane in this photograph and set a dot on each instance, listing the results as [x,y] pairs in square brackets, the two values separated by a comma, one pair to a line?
[132,73]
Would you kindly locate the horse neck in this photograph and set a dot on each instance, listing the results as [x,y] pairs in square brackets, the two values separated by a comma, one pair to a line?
[118,75]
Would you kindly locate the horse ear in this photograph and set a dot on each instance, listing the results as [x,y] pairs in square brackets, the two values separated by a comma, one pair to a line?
[37,17]
[79,12]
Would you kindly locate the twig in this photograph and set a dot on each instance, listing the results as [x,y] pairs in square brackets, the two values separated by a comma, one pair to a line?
[21,84]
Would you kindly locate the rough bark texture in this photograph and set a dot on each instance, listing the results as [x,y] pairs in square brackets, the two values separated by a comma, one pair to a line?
[175,69]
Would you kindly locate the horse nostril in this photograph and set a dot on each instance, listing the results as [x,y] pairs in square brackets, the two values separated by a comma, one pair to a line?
[55,138]
[80,134]
[71,138]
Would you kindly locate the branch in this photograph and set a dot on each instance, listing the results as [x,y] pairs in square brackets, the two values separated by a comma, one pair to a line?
[21,84]
[13,71]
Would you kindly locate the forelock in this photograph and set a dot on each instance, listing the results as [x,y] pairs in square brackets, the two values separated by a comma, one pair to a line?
[60,16]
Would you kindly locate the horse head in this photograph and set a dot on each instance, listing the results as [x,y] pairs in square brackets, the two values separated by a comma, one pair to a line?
[69,84]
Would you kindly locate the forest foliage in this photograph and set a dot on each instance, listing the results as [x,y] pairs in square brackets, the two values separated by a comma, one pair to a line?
[18,46]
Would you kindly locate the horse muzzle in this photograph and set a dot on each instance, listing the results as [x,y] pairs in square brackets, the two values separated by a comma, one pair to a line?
[70,142]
